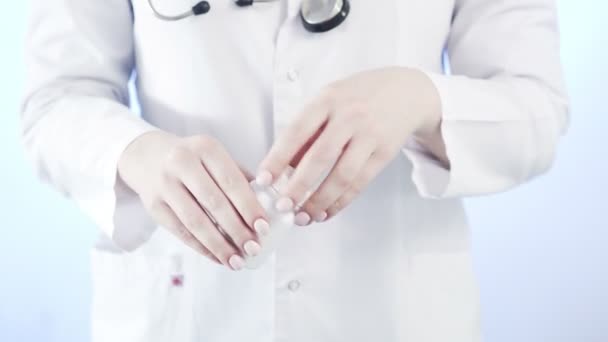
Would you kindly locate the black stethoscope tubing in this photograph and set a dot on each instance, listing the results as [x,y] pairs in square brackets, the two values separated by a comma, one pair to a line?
[204,7]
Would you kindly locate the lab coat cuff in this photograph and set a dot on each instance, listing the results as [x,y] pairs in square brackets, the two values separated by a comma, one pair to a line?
[470,162]
[431,178]
[428,175]
[120,213]
[480,160]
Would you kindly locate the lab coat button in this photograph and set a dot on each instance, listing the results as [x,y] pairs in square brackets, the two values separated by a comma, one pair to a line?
[293,285]
[292,75]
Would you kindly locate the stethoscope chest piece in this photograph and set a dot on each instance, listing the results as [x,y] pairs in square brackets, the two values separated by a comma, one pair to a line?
[324,15]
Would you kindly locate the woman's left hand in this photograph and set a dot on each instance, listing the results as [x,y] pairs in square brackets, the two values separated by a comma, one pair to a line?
[360,123]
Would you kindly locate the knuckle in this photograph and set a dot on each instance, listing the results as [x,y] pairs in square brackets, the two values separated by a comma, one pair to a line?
[373,139]
[312,202]
[374,134]
[241,235]
[356,110]
[218,251]
[223,251]
[333,209]
[329,91]
[369,120]
[342,177]
[329,95]
[383,154]
[319,199]
[178,155]
[215,244]
[344,202]
[375,127]
[168,177]
[325,155]
[251,210]
[204,143]
[340,204]
[280,155]
[298,189]
[309,206]
[212,201]
[194,221]
[353,123]
[355,191]
[280,148]
[227,181]
[324,200]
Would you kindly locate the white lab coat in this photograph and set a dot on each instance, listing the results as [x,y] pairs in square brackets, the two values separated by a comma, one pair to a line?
[395,265]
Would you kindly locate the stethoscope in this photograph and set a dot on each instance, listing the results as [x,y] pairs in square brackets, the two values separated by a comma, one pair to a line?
[317,15]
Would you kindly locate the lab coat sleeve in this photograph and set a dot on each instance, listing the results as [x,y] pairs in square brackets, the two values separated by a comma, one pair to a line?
[503,105]
[75,116]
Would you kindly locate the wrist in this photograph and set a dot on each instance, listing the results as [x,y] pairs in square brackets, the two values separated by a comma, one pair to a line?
[429,132]
[140,153]
[428,104]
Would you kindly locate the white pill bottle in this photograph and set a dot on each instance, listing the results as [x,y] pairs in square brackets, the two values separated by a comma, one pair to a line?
[281,223]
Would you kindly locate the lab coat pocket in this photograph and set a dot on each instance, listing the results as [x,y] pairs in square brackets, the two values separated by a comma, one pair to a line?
[135,297]
[441,301]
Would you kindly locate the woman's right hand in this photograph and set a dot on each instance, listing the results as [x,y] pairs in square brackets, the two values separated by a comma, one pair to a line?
[177,177]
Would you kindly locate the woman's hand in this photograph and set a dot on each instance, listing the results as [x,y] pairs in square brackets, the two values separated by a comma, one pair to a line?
[362,122]
[189,185]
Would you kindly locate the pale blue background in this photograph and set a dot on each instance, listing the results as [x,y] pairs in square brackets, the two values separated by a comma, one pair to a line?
[540,251]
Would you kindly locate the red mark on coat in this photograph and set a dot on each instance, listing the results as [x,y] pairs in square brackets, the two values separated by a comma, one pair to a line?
[177,280]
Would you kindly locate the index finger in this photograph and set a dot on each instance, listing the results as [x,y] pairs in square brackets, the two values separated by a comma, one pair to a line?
[233,183]
[291,141]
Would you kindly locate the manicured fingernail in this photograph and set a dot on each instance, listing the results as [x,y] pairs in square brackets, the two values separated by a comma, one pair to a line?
[236,262]
[302,219]
[284,204]
[252,248]
[261,227]
[264,178]
[321,217]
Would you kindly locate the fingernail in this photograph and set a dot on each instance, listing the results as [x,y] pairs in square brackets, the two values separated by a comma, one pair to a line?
[284,204]
[252,248]
[302,219]
[321,217]
[264,178]
[261,227]
[236,262]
